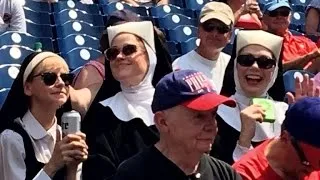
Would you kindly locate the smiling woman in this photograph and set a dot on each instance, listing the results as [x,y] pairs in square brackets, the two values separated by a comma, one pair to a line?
[255,72]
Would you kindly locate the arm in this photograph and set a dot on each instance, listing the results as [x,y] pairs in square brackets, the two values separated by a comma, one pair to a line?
[312,22]
[12,155]
[132,2]
[301,61]
[162,2]
[88,75]
[18,20]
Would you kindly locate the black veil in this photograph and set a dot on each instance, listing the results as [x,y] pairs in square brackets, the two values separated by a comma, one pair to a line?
[16,103]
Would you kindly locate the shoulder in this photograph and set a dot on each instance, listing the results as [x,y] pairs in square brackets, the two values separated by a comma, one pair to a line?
[222,169]
[304,40]
[10,139]
[181,61]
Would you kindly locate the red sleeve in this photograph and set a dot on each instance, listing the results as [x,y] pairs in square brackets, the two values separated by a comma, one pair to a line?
[243,171]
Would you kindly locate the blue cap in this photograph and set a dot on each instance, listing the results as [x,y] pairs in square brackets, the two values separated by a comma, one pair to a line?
[303,120]
[275,4]
[189,88]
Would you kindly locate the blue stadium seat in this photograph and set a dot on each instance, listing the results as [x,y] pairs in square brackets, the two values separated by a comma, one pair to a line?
[13,54]
[79,56]
[8,72]
[72,41]
[37,6]
[37,17]
[289,79]
[3,96]
[172,47]
[300,2]
[38,30]
[264,2]
[195,4]
[22,39]
[69,15]
[77,27]
[67,5]
[228,49]
[298,8]
[189,45]
[163,10]
[297,21]
[182,33]
[171,21]
[111,7]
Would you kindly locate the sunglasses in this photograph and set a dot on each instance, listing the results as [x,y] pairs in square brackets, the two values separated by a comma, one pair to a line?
[283,13]
[262,61]
[127,50]
[221,29]
[300,152]
[49,78]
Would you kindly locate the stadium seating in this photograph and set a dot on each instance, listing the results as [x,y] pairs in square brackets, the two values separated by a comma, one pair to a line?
[163,10]
[78,27]
[171,21]
[68,5]
[73,41]
[182,33]
[22,39]
[14,54]
[8,72]
[63,17]
[37,6]
[289,78]
[189,45]
[3,95]
[37,17]
[40,31]
[79,56]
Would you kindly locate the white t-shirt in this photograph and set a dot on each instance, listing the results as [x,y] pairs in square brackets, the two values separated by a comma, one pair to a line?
[12,16]
[213,69]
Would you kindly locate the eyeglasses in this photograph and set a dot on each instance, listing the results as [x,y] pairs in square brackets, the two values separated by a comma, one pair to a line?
[222,29]
[299,151]
[275,13]
[127,50]
[49,78]
[262,61]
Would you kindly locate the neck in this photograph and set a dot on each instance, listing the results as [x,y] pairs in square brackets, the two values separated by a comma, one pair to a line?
[278,159]
[277,32]
[186,161]
[208,54]
[45,117]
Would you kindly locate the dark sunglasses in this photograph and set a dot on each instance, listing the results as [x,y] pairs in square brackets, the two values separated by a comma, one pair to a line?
[300,152]
[112,53]
[49,78]
[275,13]
[221,29]
[262,61]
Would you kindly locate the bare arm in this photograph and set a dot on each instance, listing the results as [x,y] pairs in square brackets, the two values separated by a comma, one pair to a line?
[300,62]
[163,2]
[312,22]
[88,76]
[132,2]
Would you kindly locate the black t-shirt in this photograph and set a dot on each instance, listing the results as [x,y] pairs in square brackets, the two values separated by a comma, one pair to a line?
[151,164]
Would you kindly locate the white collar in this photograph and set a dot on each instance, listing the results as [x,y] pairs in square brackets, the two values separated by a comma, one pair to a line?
[264,130]
[35,129]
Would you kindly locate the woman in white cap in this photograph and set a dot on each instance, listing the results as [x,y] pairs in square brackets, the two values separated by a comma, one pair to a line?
[251,122]
[31,144]
[255,71]
[122,124]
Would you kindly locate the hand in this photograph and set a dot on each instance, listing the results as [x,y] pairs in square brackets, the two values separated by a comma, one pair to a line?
[252,6]
[75,150]
[249,116]
[303,89]
[71,149]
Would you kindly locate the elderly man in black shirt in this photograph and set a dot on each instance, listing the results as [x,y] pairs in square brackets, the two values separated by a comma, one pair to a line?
[184,106]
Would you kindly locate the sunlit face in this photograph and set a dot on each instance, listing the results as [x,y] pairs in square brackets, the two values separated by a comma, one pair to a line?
[210,37]
[278,20]
[135,65]
[192,130]
[253,79]
[53,95]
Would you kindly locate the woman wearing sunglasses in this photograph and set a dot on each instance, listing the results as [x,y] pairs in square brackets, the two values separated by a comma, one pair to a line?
[255,71]
[121,125]
[31,144]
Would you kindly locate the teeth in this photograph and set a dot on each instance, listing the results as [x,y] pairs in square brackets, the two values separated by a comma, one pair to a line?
[255,77]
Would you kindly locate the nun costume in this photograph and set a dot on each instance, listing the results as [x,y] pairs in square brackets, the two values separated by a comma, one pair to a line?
[226,147]
[122,125]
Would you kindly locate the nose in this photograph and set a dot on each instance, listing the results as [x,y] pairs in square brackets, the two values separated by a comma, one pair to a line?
[59,82]
[255,65]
